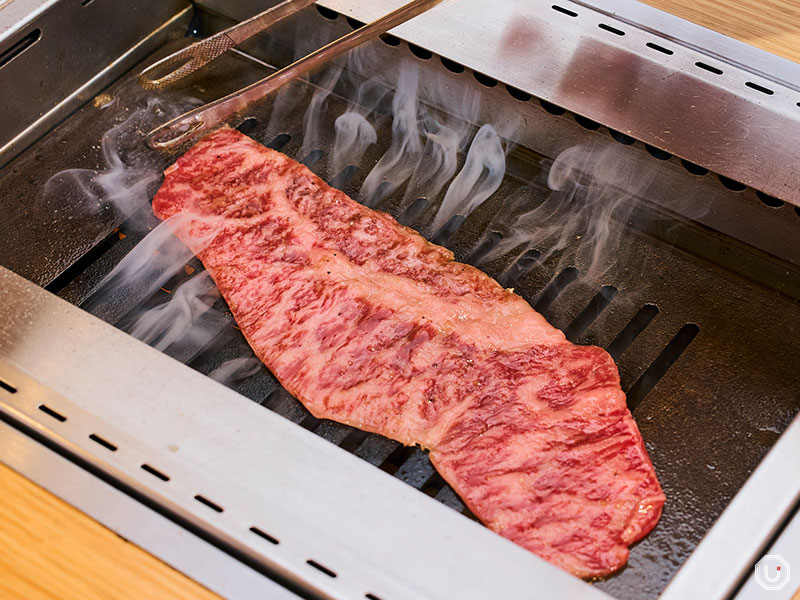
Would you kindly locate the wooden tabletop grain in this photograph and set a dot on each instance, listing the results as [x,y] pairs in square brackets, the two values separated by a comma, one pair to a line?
[50,550]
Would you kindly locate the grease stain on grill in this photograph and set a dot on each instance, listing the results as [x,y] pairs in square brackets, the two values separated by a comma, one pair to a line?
[447,230]
[212,505]
[420,52]
[632,330]
[658,48]
[519,268]
[11,389]
[488,244]
[264,535]
[589,314]
[659,367]
[103,442]
[279,141]
[554,288]
[49,411]
[154,472]
[320,567]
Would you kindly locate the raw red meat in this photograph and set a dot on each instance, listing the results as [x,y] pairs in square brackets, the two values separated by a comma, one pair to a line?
[368,324]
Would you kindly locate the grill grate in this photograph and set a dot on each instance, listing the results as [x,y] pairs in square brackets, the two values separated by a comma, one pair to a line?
[696,324]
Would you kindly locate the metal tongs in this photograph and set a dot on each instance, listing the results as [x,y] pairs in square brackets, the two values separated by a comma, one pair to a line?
[201,53]
[204,118]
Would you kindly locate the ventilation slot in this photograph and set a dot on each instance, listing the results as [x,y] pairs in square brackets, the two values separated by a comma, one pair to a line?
[279,141]
[448,230]
[518,94]
[155,472]
[555,287]
[420,52]
[248,125]
[9,388]
[588,315]
[104,443]
[708,68]
[621,137]
[657,152]
[212,505]
[632,330]
[520,268]
[412,212]
[451,65]
[770,201]
[658,48]
[648,380]
[611,29]
[693,168]
[484,80]
[354,23]
[20,47]
[344,176]
[321,568]
[327,12]
[312,158]
[49,411]
[484,248]
[552,108]
[372,597]
[732,184]
[264,535]
[564,11]
[759,88]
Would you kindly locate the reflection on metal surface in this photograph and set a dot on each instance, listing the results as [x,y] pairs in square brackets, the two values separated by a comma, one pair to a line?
[320,502]
[135,522]
[663,99]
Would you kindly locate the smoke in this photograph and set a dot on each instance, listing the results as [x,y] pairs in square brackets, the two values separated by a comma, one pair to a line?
[236,370]
[164,325]
[480,177]
[592,188]
[127,182]
[397,164]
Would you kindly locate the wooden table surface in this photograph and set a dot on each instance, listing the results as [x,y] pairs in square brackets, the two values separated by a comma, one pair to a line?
[50,550]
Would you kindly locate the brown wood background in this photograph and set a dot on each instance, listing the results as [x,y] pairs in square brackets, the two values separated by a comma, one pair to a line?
[49,550]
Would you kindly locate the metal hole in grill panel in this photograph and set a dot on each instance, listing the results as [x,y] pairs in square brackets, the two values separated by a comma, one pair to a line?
[662,261]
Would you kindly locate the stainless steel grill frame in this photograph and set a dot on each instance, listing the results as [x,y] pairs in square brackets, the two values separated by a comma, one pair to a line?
[738,251]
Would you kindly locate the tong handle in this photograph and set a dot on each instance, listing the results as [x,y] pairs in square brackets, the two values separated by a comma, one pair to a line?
[196,122]
[189,59]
